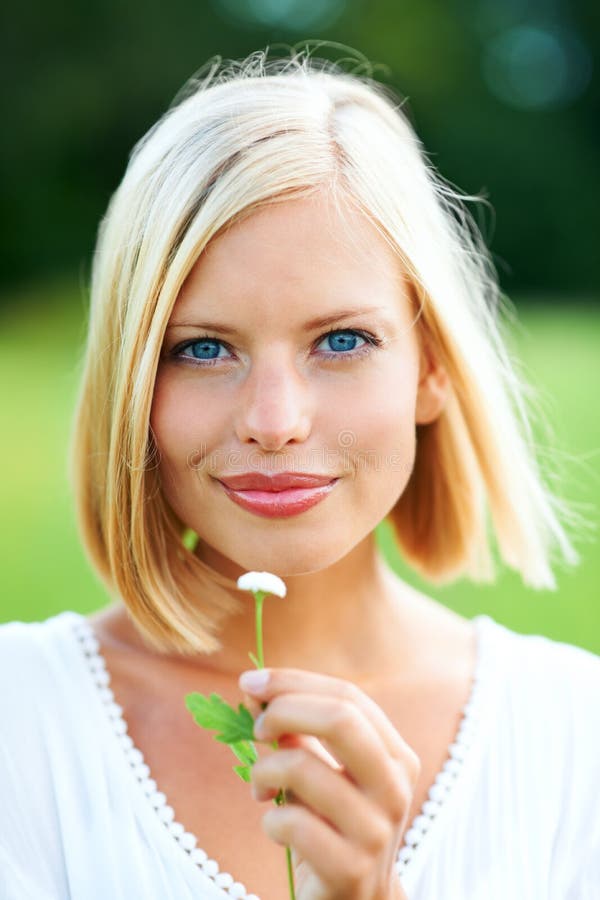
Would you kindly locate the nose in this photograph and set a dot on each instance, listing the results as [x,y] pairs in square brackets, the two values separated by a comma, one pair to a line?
[275,405]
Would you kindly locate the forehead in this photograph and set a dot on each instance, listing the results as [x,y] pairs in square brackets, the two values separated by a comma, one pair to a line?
[305,254]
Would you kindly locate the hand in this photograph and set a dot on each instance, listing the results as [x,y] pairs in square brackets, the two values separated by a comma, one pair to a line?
[345,814]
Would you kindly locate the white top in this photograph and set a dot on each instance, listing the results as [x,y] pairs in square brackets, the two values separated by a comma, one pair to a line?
[514,813]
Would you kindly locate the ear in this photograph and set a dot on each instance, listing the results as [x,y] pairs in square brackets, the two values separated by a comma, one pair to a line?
[433,388]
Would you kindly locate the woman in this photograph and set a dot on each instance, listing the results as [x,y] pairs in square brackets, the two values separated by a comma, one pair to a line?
[295,334]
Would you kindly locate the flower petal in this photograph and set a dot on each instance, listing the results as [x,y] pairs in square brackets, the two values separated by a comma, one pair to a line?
[262,581]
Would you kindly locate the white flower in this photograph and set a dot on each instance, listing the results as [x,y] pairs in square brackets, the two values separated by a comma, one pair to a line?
[262,581]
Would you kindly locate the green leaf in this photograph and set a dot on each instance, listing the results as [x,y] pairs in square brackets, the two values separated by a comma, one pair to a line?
[254,660]
[215,714]
[235,727]
[243,772]
[245,752]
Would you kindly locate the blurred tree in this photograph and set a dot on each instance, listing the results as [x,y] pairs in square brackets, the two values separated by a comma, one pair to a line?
[83,83]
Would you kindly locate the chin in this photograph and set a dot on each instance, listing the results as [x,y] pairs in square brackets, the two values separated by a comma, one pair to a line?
[290,560]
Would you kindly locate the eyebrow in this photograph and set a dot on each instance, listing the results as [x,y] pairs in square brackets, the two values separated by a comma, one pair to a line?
[319,322]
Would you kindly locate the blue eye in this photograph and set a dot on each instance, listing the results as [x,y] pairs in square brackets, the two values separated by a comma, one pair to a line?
[344,341]
[205,350]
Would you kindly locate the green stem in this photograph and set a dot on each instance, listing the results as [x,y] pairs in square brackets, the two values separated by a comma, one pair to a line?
[280,800]
[288,854]
[259,597]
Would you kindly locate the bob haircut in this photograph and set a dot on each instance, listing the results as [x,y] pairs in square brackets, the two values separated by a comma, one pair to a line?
[243,135]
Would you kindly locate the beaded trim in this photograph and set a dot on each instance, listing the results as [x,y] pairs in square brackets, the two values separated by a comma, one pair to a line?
[187,841]
[458,751]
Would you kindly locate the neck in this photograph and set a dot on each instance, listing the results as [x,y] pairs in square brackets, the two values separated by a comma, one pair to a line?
[343,621]
[355,620]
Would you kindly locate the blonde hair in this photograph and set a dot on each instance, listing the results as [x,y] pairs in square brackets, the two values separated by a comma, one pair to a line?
[240,136]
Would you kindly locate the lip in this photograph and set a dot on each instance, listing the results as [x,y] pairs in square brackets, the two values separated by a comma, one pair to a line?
[278,481]
[280,503]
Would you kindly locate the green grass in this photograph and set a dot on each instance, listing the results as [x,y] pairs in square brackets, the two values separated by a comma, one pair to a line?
[43,568]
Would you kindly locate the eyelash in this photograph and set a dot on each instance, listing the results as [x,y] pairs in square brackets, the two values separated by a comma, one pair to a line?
[371,342]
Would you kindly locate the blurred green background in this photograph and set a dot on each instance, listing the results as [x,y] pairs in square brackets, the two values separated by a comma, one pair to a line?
[504,95]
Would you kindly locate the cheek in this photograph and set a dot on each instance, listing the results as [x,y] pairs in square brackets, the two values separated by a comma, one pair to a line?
[169,422]
[182,435]
[389,452]
[381,439]
[379,411]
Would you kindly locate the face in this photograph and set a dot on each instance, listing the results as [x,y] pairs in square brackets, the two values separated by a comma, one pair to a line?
[250,381]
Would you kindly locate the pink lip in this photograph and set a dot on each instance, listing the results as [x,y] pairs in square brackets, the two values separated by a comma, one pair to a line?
[279,503]
[278,481]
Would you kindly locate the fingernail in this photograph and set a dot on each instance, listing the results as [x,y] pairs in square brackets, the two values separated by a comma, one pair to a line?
[258,724]
[254,681]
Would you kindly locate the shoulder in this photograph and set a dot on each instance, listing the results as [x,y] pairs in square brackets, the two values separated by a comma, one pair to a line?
[40,752]
[32,654]
[561,672]
[43,698]
[546,699]
[28,640]
[537,656]
[548,725]
[566,706]
[551,686]
[561,684]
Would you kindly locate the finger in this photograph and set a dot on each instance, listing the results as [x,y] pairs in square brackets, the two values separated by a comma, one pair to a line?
[289,681]
[293,740]
[311,744]
[327,794]
[336,862]
[254,706]
[351,738]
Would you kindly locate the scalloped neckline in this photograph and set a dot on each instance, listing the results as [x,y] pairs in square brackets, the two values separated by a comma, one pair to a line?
[440,791]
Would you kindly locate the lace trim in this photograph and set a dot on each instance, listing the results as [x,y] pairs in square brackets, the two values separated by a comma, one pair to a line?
[458,751]
[422,823]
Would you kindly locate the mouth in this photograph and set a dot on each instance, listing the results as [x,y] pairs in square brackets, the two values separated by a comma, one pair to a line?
[280,503]
[276,481]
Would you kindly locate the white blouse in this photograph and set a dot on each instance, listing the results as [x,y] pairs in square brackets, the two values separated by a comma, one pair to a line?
[514,814]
